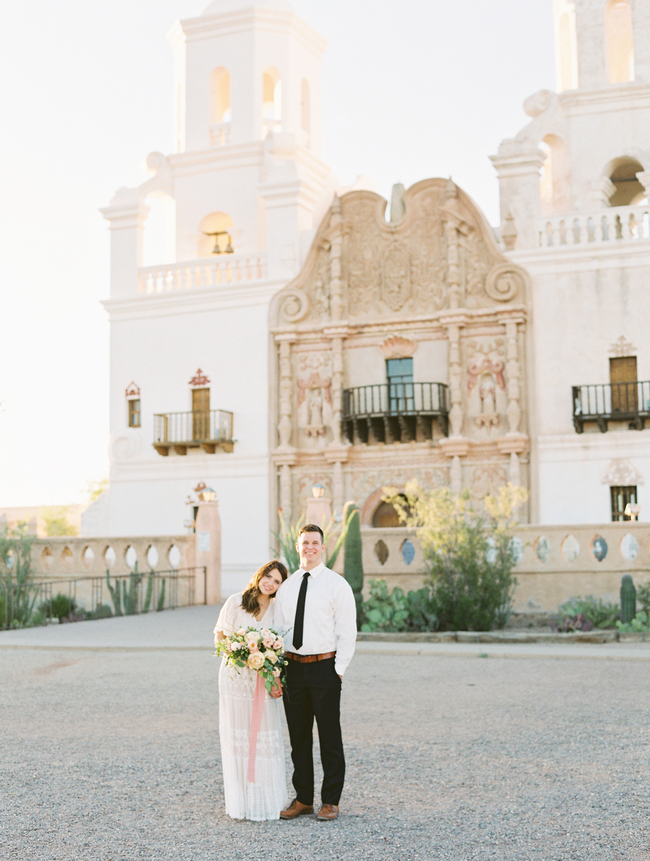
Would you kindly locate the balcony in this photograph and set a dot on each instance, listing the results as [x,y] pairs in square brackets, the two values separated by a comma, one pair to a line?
[394,412]
[612,402]
[210,430]
[213,272]
[600,227]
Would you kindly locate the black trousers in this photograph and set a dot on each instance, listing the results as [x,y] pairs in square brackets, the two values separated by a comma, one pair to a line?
[314,691]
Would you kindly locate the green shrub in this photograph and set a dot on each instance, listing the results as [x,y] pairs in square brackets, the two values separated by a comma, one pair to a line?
[467,552]
[643,596]
[59,607]
[383,611]
[641,623]
[17,587]
[583,614]
[396,611]
[102,611]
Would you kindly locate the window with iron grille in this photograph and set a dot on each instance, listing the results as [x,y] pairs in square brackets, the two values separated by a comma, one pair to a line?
[620,498]
[400,384]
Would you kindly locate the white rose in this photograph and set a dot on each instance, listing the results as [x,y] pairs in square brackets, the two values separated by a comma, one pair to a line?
[253,637]
[272,657]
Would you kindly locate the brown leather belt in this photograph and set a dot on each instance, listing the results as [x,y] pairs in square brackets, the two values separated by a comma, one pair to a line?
[309,659]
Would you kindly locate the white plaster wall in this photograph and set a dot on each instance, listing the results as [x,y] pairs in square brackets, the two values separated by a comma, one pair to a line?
[430,361]
[364,366]
[571,471]
[582,304]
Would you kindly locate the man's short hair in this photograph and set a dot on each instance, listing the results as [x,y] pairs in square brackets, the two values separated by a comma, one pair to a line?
[311,527]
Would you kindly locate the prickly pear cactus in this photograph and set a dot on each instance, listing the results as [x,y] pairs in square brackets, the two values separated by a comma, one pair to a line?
[628,599]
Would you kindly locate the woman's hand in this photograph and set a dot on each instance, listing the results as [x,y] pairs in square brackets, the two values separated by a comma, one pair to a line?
[276,690]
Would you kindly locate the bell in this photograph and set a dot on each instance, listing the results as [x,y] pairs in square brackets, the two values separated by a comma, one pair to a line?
[216,249]
[229,248]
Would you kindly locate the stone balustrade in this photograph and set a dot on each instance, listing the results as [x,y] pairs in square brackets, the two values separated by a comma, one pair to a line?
[211,272]
[74,556]
[554,563]
[599,226]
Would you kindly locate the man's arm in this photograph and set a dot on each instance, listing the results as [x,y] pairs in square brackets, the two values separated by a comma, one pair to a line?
[345,625]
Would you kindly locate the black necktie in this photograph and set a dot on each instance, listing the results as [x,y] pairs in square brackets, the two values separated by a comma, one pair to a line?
[299,622]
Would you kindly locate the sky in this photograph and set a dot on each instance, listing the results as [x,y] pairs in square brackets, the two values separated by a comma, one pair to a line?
[411,90]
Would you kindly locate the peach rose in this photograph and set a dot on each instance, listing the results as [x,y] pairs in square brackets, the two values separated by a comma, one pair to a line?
[255,661]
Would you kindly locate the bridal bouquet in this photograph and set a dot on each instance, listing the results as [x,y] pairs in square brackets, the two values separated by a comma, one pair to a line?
[262,651]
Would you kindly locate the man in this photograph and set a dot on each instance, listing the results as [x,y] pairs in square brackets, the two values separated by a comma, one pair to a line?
[317,609]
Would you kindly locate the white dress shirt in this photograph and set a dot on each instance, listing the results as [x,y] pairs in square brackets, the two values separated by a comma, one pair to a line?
[330,615]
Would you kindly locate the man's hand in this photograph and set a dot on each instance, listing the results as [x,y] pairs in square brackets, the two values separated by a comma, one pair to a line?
[276,691]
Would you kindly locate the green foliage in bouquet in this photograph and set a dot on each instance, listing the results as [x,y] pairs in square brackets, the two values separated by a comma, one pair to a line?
[260,651]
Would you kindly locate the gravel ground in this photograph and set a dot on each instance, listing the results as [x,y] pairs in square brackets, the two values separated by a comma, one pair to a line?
[113,756]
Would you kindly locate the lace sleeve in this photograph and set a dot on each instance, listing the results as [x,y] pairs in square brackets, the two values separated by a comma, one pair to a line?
[226,620]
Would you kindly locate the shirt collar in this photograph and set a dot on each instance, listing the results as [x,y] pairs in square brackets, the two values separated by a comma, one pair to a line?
[314,571]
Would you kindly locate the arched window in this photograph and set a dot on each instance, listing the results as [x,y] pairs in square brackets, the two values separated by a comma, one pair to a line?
[271,100]
[386,516]
[556,176]
[619,41]
[215,235]
[305,111]
[628,191]
[220,111]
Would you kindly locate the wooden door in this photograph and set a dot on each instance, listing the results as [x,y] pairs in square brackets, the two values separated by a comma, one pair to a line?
[200,414]
[622,376]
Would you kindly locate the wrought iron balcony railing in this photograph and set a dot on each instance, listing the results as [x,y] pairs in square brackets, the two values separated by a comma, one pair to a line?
[210,430]
[611,402]
[394,412]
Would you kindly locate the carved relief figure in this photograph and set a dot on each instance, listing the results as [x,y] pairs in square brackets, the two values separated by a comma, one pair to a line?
[314,395]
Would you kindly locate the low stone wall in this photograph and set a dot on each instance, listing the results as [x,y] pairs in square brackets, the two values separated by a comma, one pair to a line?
[555,563]
[74,556]
[67,558]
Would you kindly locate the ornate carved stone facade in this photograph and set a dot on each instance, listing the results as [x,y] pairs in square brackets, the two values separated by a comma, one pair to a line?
[432,289]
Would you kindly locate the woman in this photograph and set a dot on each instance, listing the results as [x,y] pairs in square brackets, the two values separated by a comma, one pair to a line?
[265,798]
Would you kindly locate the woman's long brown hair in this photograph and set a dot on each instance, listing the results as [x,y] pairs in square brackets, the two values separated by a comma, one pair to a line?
[250,597]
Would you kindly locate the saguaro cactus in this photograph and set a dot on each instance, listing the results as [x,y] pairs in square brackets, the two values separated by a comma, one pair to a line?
[628,599]
[353,560]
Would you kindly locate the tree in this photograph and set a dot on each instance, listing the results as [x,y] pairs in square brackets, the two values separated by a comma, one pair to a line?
[56,521]
[467,552]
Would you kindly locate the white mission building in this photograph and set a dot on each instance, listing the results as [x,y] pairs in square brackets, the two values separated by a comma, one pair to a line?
[241,359]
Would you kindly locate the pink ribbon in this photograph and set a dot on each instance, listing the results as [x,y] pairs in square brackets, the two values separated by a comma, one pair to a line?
[256,723]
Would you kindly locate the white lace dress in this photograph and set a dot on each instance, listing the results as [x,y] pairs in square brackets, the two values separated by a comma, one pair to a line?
[265,798]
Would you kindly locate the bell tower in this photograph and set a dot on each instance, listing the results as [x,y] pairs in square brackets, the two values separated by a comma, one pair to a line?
[587,146]
[245,176]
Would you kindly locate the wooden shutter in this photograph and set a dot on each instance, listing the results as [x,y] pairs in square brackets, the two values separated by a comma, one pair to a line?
[200,414]
[623,379]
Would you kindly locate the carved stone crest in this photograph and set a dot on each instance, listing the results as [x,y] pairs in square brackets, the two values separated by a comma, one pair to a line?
[397,347]
[396,277]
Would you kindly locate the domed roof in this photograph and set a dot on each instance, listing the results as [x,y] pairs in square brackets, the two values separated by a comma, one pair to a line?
[219,6]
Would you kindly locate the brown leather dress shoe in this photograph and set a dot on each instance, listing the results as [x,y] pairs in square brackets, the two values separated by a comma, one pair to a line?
[328,813]
[296,809]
